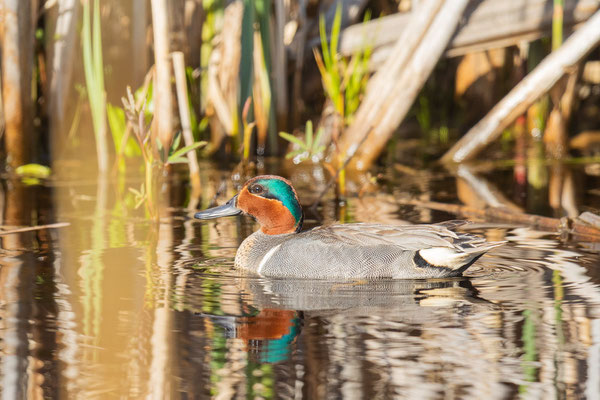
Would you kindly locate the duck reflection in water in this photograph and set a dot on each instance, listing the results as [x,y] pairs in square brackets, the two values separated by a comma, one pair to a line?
[274,311]
[268,335]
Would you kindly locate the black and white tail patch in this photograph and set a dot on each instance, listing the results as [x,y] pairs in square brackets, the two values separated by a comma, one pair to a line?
[445,257]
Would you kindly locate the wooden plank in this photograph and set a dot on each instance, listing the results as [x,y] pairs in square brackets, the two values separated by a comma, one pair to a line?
[534,85]
[486,24]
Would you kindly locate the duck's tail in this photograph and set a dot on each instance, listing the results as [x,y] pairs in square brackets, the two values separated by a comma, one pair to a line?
[457,258]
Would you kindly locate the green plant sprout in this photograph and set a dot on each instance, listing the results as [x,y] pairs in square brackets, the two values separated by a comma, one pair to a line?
[344,81]
[123,142]
[248,128]
[309,148]
[152,152]
[176,154]
[440,135]
[328,64]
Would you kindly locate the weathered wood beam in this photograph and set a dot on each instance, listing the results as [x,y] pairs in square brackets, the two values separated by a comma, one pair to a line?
[534,85]
[486,24]
[392,90]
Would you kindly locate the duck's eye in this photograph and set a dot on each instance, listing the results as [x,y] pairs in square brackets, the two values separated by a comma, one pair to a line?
[256,189]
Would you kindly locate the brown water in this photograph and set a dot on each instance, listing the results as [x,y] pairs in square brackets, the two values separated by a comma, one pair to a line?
[110,307]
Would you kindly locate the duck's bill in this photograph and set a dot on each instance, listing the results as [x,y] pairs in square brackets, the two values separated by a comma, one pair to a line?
[226,210]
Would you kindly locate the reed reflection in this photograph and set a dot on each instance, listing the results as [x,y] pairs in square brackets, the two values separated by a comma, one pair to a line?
[515,326]
[131,311]
[27,293]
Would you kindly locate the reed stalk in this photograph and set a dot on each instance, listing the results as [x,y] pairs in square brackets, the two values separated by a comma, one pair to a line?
[17,66]
[163,97]
[264,70]
[248,127]
[139,26]
[262,95]
[213,20]
[557,24]
[247,50]
[61,58]
[184,116]
[255,72]
[279,63]
[344,83]
[93,65]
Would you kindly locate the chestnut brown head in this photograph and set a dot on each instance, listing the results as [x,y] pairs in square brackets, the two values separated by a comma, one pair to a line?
[270,199]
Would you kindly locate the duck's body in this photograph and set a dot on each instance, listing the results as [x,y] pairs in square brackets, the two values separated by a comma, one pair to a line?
[362,251]
[349,251]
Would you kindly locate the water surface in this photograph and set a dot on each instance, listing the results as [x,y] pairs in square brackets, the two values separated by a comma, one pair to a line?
[110,307]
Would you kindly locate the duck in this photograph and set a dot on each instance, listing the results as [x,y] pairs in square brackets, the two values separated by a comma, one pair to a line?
[357,251]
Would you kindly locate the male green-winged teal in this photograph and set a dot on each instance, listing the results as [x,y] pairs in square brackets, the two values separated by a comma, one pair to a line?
[348,251]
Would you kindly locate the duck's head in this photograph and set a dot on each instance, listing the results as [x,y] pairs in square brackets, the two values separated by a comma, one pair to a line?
[270,199]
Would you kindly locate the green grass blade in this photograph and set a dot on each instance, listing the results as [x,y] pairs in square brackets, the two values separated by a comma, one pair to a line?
[246,60]
[184,150]
[97,47]
[86,41]
[117,125]
[309,134]
[335,30]
[176,141]
[317,148]
[324,43]
[293,139]
[557,24]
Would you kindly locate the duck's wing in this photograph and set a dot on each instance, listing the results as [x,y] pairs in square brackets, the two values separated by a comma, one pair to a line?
[407,237]
[427,246]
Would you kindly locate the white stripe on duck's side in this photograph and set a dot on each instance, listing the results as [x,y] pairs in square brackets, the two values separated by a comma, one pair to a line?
[446,257]
[267,257]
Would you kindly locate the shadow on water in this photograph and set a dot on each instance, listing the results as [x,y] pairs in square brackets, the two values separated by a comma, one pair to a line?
[112,306]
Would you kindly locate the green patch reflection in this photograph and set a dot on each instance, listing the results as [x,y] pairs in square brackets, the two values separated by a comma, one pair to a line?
[248,347]
[530,355]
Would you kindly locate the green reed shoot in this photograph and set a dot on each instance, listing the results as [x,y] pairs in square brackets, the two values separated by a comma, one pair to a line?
[248,128]
[93,66]
[356,75]
[193,84]
[440,134]
[557,24]
[328,64]
[175,155]
[152,152]
[255,72]
[309,148]
[530,351]
[123,142]
[344,81]
[263,68]
[247,53]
